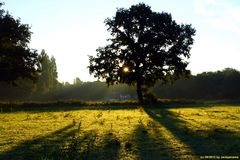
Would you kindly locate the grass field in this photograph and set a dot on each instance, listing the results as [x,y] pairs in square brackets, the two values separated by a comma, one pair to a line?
[120,133]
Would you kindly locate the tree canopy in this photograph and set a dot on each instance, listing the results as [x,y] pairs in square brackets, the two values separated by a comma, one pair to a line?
[16,58]
[146,46]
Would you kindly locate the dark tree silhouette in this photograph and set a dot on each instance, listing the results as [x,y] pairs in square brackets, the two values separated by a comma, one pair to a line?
[16,58]
[146,46]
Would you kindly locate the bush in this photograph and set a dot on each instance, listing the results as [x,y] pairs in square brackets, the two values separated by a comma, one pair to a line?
[149,98]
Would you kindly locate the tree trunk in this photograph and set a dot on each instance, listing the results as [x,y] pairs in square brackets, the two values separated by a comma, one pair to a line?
[139,93]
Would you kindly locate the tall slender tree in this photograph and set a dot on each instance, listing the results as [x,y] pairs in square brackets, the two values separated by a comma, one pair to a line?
[54,73]
[146,46]
[48,78]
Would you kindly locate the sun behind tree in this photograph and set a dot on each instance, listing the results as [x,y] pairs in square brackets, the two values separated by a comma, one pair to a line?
[125,69]
[151,45]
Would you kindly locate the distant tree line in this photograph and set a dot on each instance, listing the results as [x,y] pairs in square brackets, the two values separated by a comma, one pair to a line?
[205,86]
[92,91]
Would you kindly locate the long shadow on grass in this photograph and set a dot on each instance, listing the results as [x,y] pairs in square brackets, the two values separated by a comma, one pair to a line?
[107,149]
[38,148]
[66,144]
[216,141]
[150,147]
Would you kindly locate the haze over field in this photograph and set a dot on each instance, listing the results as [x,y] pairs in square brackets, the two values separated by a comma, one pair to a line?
[71,31]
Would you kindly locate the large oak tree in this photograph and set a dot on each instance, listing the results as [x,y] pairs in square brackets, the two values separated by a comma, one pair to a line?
[146,46]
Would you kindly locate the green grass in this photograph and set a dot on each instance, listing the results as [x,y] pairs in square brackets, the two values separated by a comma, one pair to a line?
[130,132]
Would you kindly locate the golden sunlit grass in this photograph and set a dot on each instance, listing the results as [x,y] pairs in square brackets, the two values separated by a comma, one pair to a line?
[150,133]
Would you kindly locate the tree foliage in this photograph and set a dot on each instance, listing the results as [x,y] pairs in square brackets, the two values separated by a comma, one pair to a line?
[48,77]
[146,46]
[26,89]
[206,86]
[16,58]
[77,81]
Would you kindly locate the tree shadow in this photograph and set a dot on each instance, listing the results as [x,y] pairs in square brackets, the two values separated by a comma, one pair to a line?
[216,141]
[40,147]
[107,149]
[149,147]
[66,144]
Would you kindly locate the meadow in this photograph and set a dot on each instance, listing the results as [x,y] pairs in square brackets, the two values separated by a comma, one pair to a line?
[120,132]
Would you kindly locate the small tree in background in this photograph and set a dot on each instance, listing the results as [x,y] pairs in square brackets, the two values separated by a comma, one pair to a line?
[16,59]
[146,46]
[77,81]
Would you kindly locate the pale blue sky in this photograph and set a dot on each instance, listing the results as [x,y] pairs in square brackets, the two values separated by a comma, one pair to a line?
[71,30]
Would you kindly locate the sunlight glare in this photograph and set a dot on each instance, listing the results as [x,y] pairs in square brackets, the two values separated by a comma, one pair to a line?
[125,69]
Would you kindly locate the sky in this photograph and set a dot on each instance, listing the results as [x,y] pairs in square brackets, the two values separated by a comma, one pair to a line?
[72,30]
